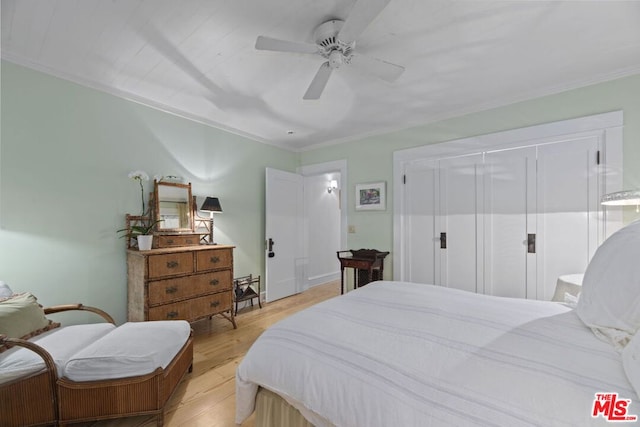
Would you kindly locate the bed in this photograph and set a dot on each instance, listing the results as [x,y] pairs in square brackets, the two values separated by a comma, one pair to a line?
[406,354]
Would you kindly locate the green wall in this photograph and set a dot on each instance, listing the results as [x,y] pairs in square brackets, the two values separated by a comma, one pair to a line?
[371,159]
[65,152]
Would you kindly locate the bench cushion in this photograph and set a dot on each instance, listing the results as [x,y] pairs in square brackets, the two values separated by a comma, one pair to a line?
[61,344]
[132,349]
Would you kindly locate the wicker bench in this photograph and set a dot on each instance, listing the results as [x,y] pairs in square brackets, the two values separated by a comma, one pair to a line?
[92,371]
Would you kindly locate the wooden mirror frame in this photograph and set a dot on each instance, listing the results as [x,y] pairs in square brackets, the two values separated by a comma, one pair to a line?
[156,204]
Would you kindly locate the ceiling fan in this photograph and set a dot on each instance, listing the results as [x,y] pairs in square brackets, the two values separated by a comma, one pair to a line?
[335,41]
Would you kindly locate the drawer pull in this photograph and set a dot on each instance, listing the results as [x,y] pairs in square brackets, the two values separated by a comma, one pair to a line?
[214,282]
[172,264]
[215,259]
[215,303]
[172,315]
[172,289]
[169,241]
[189,241]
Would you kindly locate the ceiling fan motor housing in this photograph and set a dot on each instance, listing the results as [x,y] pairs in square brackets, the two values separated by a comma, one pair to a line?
[336,51]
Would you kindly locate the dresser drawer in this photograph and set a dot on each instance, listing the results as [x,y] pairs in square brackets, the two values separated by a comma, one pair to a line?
[170,264]
[354,263]
[214,259]
[172,241]
[168,290]
[192,309]
[211,304]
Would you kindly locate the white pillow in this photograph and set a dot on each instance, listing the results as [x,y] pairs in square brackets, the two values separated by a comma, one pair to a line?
[610,299]
[5,290]
[631,362]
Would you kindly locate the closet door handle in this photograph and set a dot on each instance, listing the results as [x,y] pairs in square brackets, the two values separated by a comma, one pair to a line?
[443,240]
[531,243]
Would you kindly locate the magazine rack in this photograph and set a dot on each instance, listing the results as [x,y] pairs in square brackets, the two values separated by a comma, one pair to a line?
[246,288]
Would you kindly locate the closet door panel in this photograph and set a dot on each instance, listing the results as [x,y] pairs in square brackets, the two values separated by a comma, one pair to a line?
[567,195]
[420,209]
[459,196]
[509,176]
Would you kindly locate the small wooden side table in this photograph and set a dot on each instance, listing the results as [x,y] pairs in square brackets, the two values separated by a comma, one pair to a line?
[367,264]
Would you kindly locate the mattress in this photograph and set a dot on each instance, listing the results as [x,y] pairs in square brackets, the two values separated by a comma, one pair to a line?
[395,353]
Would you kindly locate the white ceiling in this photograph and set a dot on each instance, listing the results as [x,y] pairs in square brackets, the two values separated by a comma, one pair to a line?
[197,58]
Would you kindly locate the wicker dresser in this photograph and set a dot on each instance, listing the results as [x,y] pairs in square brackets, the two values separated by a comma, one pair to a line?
[189,283]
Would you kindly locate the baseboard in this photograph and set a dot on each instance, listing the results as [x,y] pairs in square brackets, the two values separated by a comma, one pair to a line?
[322,279]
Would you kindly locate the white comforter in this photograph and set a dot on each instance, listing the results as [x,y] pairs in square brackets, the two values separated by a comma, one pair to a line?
[402,354]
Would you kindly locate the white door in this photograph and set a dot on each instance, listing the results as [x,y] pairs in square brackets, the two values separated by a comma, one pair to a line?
[509,218]
[459,195]
[284,254]
[568,206]
[420,182]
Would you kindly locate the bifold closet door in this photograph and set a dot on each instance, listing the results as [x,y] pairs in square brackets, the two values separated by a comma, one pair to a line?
[540,216]
[420,208]
[567,209]
[459,200]
[509,223]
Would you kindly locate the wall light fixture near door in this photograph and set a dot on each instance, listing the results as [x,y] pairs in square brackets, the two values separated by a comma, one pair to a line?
[211,204]
[622,198]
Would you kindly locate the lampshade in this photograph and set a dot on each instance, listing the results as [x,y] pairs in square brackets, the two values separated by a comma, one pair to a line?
[621,198]
[211,204]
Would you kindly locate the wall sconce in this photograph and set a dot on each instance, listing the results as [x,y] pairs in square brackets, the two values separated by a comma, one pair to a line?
[211,204]
[333,185]
[622,198]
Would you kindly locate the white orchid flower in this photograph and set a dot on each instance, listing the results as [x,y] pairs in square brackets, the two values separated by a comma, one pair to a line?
[139,175]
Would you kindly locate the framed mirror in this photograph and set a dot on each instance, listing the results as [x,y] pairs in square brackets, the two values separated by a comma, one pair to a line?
[173,206]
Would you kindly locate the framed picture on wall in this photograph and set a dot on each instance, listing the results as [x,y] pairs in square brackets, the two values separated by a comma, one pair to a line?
[371,196]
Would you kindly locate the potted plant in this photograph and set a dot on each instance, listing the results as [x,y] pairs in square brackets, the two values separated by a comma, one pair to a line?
[143,233]
[143,230]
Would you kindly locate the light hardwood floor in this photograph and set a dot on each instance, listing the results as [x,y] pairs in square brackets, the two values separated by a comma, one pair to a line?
[206,397]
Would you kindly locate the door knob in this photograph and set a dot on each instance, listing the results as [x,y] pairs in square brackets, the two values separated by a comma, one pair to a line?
[270,244]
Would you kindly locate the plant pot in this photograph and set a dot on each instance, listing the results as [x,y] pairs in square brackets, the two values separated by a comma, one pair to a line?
[145,241]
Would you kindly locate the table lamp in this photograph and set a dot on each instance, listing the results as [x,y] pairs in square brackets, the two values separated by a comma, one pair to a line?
[211,204]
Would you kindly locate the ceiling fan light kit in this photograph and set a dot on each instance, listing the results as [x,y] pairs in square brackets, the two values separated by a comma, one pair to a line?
[335,41]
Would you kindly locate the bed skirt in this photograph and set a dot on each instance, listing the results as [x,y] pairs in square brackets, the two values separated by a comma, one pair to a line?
[273,411]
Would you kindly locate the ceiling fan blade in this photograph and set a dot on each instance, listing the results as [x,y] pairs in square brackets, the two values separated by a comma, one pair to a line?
[362,14]
[377,67]
[319,82]
[268,43]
